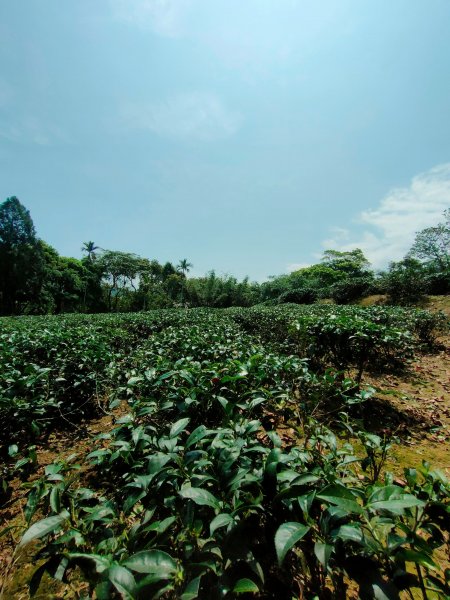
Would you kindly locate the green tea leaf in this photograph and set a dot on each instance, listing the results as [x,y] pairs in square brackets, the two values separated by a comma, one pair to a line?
[123,581]
[198,433]
[157,461]
[178,427]
[287,536]
[420,558]
[245,586]
[392,499]
[160,526]
[221,520]
[44,527]
[101,563]
[396,506]
[340,496]
[55,501]
[348,532]
[13,450]
[152,561]
[200,496]
[192,589]
[323,553]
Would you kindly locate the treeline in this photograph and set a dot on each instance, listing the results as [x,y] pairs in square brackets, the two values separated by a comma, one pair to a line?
[346,277]
[35,279]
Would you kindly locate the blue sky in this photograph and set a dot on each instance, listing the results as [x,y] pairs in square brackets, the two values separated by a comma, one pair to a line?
[244,135]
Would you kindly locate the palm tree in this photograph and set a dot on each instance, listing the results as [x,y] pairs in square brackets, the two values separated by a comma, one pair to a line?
[90,248]
[184,266]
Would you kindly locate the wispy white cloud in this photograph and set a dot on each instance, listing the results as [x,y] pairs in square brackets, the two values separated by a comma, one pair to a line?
[388,231]
[164,17]
[198,115]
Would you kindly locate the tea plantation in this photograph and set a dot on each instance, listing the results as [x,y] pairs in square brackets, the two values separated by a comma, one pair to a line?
[195,492]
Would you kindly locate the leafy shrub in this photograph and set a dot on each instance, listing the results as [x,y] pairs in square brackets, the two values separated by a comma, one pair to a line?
[305,295]
[199,497]
[438,283]
[406,283]
[344,342]
[349,290]
[215,513]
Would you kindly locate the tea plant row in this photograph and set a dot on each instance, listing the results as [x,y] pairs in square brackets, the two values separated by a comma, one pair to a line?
[59,368]
[193,494]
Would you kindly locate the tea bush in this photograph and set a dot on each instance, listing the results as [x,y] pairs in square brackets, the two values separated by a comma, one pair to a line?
[192,494]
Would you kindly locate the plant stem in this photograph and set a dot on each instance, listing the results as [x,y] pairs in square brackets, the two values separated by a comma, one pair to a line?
[422,585]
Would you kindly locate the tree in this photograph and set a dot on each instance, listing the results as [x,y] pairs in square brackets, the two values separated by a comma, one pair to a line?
[350,289]
[121,271]
[152,289]
[167,270]
[221,291]
[319,277]
[351,263]
[93,297]
[303,295]
[154,272]
[64,281]
[433,244]
[322,280]
[151,292]
[184,266]
[173,286]
[405,283]
[20,258]
[90,248]
[16,226]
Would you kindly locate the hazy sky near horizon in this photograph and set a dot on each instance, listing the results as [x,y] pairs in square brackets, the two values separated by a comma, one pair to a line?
[244,135]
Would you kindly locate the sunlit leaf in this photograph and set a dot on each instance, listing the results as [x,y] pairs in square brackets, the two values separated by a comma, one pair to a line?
[200,496]
[245,586]
[152,561]
[287,536]
[43,527]
[123,581]
[221,520]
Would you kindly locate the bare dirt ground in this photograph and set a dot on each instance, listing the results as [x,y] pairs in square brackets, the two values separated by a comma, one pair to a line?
[420,399]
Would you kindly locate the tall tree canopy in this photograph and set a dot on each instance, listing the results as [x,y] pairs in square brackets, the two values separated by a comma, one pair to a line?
[90,248]
[433,244]
[20,257]
[16,225]
[351,262]
[121,271]
[34,278]
[184,266]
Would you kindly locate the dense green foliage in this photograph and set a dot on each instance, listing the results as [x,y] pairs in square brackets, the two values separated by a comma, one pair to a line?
[19,269]
[433,243]
[61,367]
[34,279]
[193,493]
